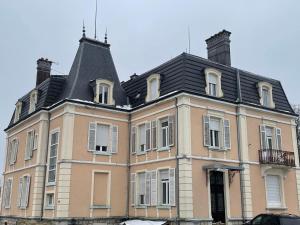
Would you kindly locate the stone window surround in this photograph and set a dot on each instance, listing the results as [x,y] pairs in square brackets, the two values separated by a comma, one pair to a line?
[33,100]
[212,71]
[149,79]
[110,100]
[260,87]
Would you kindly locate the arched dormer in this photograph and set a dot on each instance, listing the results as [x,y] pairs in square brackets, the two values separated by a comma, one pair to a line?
[103,92]
[213,82]
[265,91]
[153,87]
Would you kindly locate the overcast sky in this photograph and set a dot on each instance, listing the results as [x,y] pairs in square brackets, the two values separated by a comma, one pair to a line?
[143,34]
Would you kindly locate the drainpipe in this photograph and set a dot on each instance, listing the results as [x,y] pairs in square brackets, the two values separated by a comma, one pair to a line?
[128,166]
[239,139]
[45,168]
[177,167]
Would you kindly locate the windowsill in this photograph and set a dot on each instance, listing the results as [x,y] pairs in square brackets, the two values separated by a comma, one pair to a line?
[27,159]
[141,153]
[163,207]
[102,153]
[164,149]
[140,206]
[276,208]
[50,184]
[217,149]
[49,207]
[100,207]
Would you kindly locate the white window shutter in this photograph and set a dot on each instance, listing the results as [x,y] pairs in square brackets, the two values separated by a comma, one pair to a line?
[172,186]
[263,138]
[206,136]
[36,139]
[133,187]
[227,142]
[92,136]
[154,134]
[171,123]
[9,152]
[278,139]
[148,188]
[114,144]
[32,144]
[148,136]
[15,152]
[20,192]
[154,188]
[133,139]
[26,198]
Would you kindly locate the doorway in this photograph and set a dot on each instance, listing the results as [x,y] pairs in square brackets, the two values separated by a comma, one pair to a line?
[217,196]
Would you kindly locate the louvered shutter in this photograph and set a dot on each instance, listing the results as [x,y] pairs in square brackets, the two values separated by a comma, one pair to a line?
[20,192]
[148,188]
[114,144]
[153,188]
[16,146]
[171,130]
[206,136]
[27,150]
[273,191]
[227,142]
[9,152]
[31,144]
[172,186]
[154,134]
[133,139]
[148,136]
[133,187]
[27,192]
[92,137]
[35,145]
[278,139]
[263,138]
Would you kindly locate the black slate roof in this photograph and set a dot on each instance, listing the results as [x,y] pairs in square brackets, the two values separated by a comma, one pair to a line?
[184,73]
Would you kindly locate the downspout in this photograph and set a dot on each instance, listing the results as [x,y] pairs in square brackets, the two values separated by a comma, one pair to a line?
[45,169]
[128,166]
[239,100]
[177,167]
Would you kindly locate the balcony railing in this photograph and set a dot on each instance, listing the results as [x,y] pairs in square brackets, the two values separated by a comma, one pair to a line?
[277,157]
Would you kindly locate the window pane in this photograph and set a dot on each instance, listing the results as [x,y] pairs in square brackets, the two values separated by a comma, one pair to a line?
[102,135]
[153,89]
[273,190]
[266,96]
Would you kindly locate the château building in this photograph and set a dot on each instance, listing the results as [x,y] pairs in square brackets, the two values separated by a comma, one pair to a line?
[192,141]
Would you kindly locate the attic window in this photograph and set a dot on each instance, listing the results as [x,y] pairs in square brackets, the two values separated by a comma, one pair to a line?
[213,82]
[265,91]
[103,93]
[18,111]
[33,101]
[153,86]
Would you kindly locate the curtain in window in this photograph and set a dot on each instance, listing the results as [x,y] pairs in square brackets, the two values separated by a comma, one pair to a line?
[102,135]
[273,191]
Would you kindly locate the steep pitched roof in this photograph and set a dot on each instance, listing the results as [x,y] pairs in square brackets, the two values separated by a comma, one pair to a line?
[186,73]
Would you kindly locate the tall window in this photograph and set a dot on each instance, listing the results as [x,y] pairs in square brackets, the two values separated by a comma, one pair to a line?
[165,133]
[24,187]
[266,96]
[142,137]
[213,85]
[153,89]
[30,144]
[164,187]
[142,188]
[102,138]
[269,136]
[274,193]
[153,83]
[53,157]
[49,200]
[103,93]
[215,131]
[33,101]
[265,91]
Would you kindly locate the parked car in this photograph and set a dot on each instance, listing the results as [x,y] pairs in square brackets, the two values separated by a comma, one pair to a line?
[275,219]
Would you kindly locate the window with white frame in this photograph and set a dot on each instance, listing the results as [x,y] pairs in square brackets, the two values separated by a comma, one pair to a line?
[49,200]
[142,138]
[167,132]
[103,138]
[12,151]
[30,144]
[270,137]
[274,191]
[166,184]
[216,132]
[104,92]
[18,111]
[153,83]
[24,190]
[54,140]
[7,193]
[265,91]
[141,196]
[33,101]
[213,82]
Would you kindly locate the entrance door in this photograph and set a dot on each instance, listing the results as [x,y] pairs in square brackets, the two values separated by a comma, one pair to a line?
[217,196]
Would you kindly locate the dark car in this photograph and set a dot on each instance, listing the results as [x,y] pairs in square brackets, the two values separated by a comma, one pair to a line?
[275,219]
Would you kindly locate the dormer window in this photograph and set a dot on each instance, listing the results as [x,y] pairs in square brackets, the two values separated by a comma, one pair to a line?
[18,111]
[266,94]
[33,101]
[153,85]
[103,92]
[213,82]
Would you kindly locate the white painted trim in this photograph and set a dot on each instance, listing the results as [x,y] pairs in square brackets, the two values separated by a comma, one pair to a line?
[24,168]
[154,113]
[110,99]
[92,163]
[149,80]
[218,74]
[260,87]
[153,161]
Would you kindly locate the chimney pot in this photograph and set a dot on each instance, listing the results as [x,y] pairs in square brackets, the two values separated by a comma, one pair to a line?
[218,48]
[43,70]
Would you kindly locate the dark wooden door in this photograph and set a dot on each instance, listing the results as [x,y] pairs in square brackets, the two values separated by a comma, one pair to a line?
[217,196]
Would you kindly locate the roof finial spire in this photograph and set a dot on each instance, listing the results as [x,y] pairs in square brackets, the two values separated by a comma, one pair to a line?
[96,12]
[83,29]
[105,37]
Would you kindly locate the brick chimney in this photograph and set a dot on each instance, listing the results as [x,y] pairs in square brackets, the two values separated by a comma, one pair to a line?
[218,48]
[43,70]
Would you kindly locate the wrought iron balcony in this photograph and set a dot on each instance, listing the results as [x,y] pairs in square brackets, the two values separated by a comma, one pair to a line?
[276,157]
